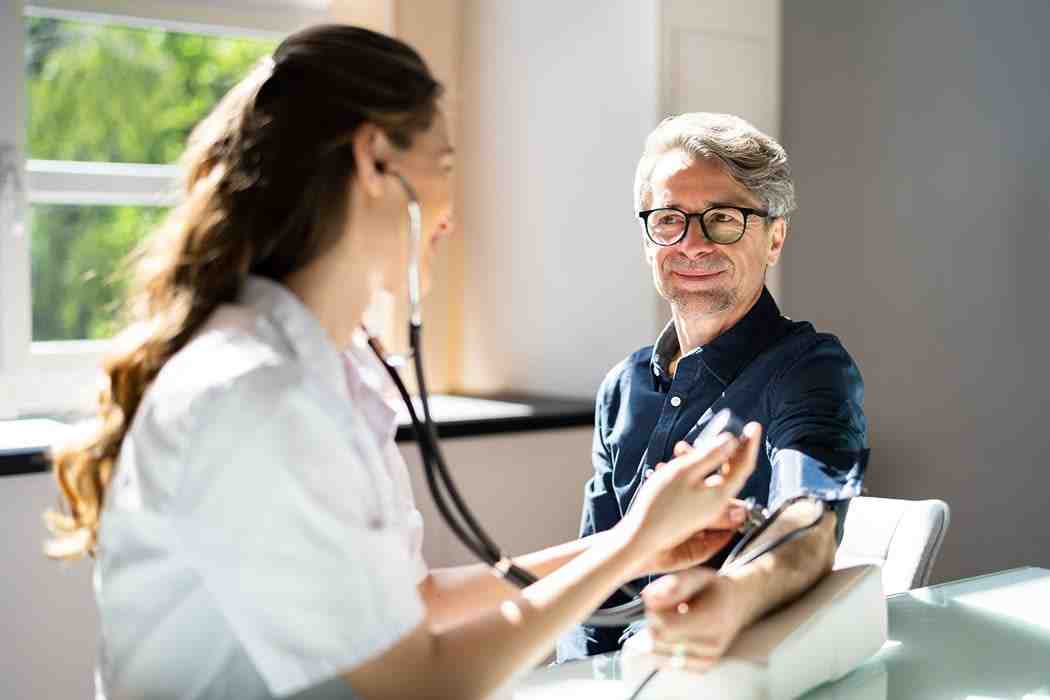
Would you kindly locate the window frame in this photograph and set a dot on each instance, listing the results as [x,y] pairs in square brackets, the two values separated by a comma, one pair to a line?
[58,378]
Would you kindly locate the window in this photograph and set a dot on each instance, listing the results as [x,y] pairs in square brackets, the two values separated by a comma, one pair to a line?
[105,94]
[99,97]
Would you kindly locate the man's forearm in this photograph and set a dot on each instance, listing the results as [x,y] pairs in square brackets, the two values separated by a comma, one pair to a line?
[788,571]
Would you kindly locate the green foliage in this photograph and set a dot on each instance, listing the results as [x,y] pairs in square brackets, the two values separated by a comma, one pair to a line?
[106,93]
[77,272]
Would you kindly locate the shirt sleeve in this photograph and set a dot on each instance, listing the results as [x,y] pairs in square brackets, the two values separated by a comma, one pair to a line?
[600,512]
[279,517]
[412,519]
[817,437]
[598,494]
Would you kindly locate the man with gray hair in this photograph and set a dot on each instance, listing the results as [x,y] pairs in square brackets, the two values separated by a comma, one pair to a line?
[713,195]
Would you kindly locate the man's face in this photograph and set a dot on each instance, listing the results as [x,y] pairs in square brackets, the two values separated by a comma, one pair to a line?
[697,277]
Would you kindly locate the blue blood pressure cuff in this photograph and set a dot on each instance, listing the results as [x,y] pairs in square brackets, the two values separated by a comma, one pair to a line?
[832,475]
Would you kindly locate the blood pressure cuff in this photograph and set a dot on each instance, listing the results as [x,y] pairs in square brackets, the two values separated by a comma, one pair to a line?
[833,475]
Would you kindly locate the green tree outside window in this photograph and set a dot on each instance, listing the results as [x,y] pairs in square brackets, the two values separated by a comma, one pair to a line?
[107,93]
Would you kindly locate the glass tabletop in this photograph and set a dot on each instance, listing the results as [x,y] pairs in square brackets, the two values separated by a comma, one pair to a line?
[977,638]
[981,638]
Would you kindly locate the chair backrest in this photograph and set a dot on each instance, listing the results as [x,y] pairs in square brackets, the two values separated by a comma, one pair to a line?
[903,536]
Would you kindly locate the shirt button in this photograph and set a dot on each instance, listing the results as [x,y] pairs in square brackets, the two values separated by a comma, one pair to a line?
[676,401]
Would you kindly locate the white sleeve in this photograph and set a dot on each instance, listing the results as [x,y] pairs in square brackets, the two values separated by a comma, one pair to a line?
[275,518]
[412,518]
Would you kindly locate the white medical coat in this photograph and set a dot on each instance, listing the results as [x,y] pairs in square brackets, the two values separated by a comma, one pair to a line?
[259,534]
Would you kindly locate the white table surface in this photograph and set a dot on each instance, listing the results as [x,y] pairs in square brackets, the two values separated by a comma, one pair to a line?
[984,638]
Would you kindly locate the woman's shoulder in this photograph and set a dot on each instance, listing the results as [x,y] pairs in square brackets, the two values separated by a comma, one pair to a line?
[215,391]
[232,366]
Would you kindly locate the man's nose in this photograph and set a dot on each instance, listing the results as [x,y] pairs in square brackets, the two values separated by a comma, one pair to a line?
[695,242]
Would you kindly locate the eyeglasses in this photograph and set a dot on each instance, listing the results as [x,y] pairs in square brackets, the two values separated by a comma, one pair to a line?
[667,226]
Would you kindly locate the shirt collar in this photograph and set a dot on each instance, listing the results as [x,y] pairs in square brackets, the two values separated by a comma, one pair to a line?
[728,354]
[371,386]
[303,333]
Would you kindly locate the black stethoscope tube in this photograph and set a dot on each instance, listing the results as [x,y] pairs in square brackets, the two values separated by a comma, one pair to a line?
[458,515]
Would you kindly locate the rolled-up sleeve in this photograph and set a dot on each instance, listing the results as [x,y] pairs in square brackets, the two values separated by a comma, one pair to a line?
[817,438]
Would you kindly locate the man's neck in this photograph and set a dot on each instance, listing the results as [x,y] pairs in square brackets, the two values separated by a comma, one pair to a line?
[696,330]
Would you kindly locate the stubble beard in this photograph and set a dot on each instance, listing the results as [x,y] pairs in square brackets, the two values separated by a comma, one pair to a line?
[701,303]
[697,303]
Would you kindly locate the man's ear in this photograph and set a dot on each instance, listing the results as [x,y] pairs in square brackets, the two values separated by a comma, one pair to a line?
[777,235]
[372,150]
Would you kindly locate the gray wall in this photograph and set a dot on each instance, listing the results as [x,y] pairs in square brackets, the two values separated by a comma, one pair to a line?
[919,138]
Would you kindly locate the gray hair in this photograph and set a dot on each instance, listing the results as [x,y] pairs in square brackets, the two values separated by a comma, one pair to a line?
[749,156]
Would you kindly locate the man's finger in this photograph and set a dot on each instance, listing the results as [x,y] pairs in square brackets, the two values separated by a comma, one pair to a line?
[668,591]
[682,447]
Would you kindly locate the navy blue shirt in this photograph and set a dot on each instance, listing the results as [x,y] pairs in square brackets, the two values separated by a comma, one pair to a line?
[802,386]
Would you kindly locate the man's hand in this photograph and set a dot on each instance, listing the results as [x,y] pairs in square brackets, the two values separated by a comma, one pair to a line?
[695,615]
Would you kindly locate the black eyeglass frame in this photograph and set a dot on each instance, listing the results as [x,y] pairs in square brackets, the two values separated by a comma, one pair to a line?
[746,211]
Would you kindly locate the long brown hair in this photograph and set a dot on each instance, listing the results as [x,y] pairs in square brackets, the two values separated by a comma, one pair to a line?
[265,190]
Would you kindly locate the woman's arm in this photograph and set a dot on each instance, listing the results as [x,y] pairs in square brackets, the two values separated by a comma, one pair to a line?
[459,593]
[472,659]
[456,594]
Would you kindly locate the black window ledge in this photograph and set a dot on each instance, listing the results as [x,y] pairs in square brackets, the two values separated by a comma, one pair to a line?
[537,413]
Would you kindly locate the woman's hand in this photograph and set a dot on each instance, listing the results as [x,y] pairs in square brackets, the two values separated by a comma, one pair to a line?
[700,546]
[691,494]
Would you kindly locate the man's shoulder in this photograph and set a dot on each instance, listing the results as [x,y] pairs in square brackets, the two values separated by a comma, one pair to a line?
[809,359]
[804,343]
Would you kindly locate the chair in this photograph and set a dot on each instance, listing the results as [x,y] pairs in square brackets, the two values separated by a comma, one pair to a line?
[903,536]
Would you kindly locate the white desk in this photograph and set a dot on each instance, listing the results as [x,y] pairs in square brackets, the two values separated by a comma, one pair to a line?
[985,638]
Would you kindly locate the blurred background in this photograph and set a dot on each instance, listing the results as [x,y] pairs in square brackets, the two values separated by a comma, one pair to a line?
[917,132]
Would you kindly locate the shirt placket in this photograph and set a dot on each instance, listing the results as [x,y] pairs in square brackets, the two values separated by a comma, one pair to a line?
[678,401]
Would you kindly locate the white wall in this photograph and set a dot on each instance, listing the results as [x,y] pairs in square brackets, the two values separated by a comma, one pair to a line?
[722,56]
[47,610]
[557,98]
[526,489]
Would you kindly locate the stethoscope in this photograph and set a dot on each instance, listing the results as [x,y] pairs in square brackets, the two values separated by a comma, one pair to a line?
[454,510]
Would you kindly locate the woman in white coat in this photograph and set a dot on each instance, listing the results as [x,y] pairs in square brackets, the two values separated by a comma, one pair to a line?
[251,519]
